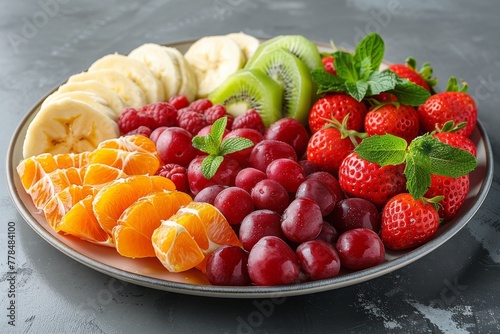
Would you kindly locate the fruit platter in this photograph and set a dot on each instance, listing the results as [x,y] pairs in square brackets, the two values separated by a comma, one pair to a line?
[238,167]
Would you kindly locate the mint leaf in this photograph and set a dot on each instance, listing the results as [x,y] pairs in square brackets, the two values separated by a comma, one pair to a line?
[383,150]
[409,93]
[344,66]
[327,82]
[379,82]
[418,173]
[217,130]
[365,69]
[357,89]
[232,145]
[199,142]
[372,46]
[447,160]
[210,165]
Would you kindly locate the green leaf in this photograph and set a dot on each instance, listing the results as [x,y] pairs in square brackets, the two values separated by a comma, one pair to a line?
[199,142]
[379,82]
[210,165]
[357,89]
[447,160]
[345,66]
[417,172]
[232,145]
[383,150]
[365,69]
[409,93]
[327,82]
[372,46]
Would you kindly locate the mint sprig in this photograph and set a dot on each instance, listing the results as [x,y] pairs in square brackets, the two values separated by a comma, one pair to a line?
[425,155]
[216,147]
[359,75]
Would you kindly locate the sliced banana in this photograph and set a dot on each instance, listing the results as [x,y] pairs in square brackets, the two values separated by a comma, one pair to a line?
[123,86]
[67,126]
[213,59]
[189,83]
[247,43]
[113,100]
[134,70]
[163,66]
[93,100]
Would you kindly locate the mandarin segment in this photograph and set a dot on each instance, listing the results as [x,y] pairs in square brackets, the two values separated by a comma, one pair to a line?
[175,248]
[132,234]
[114,198]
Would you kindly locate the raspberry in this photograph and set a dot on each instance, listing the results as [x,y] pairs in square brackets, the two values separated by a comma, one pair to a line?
[142,130]
[191,121]
[251,120]
[177,174]
[160,114]
[179,102]
[230,121]
[328,65]
[214,113]
[130,119]
[200,105]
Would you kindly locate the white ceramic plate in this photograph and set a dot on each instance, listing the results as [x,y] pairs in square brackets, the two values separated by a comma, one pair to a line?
[150,272]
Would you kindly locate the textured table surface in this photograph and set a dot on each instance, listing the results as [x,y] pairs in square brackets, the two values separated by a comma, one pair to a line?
[454,289]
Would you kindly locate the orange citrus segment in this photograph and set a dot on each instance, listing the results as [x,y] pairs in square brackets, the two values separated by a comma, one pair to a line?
[80,221]
[135,155]
[98,175]
[132,234]
[112,199]
[32,169]
[175,248]
[205,224]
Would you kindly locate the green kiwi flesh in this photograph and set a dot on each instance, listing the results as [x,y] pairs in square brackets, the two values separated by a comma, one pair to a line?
[299,45]
[294,76]
[250,89]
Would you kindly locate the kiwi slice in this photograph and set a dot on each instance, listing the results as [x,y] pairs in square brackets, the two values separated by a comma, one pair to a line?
[294,76]
[300,46]
[250,89]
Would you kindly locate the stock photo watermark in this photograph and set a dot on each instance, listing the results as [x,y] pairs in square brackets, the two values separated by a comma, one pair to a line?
[11,273]
[264,308]
[32,24]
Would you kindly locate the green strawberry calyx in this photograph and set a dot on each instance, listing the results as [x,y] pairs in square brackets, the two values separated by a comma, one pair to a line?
[344,131]
[216,147]
[425,155]
[454,86]
[426,72]
[449,126]
[359,75]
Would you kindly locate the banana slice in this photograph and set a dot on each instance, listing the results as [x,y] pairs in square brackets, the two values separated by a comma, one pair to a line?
[67,126]
[93,100]
[189,83]
[131,93]
[164,67]
[134,70]
[247,43]
[213,59]
[113,100]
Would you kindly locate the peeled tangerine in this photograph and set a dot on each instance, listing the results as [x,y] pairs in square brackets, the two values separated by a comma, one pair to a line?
[185,240]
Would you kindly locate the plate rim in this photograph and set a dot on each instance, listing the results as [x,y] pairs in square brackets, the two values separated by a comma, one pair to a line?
[344,280]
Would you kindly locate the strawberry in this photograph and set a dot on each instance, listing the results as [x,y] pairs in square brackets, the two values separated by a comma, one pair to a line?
[409,71]
[328,147]
[337,106]
[408,222]
[393,118]
[328,64]
[453,104]
[447,134]
[360,178]
[454,191]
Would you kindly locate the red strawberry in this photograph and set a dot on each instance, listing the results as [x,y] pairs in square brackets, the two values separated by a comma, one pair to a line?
[457,140]
[409,71]
[454,105]
[328,147]
[360,178]
[337,106]
[328,64]
[454,191]
[407,222]
[395,119]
